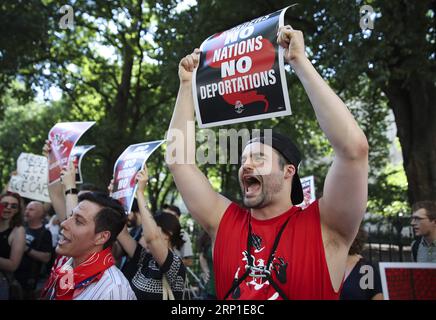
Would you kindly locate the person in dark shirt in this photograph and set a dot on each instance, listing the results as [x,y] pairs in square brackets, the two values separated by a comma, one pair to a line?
[362,279]
[157,272]
[134,226]
[38,249]
[12,241]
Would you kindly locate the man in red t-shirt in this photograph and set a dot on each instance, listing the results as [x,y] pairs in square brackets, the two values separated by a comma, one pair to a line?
[273,249]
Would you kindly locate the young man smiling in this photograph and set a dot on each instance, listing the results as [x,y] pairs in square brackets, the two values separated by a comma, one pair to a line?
[272,249]
[88,271]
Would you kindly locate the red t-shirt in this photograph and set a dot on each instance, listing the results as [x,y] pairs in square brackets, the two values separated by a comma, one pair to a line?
[299,267]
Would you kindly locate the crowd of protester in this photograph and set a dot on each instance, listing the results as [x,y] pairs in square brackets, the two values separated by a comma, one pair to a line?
[87,248]
[30,232]
[152,250]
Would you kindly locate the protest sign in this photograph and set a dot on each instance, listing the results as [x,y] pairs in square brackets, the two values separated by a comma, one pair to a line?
[241,74]
[77,156]
[63,137]
[126,167]
[308,184]
[408,281]
[31,178]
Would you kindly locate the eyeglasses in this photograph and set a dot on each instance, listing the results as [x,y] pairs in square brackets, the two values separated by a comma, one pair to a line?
[417,218]
[10,205]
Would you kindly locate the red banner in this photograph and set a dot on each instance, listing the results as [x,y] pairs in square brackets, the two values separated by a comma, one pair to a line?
[408,281]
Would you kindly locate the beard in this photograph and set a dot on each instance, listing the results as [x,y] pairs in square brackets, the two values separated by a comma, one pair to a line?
[270,185]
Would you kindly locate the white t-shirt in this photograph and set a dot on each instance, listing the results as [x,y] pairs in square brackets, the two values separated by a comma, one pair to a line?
[54,230]
[186,249]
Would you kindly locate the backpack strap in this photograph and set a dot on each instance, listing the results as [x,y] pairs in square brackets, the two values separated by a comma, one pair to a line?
[167,293]
[238,281]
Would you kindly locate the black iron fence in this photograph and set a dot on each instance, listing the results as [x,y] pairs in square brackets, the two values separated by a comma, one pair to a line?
[389,243]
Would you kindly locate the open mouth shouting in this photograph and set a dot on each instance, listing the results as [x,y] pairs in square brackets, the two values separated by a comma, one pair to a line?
[252,184]
[63,240]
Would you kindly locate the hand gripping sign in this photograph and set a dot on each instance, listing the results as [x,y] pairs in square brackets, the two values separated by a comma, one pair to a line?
[77,155]
[126,167]
[241,74]
[63,137]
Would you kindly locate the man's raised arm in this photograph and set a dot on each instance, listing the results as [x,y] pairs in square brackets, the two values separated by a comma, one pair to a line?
[343,203]
[206,206]
[62,204]
[56,190]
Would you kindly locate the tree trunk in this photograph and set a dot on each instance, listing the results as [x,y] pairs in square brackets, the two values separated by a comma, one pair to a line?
[117,117]
[413,104]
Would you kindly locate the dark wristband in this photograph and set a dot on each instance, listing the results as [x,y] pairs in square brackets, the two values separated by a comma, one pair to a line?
[71,191]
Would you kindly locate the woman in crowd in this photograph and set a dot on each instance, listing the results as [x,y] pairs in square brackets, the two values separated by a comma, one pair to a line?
[356,287]
[157,273]
[12,240]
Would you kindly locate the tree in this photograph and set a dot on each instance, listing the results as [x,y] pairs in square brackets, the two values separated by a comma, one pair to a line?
[118,66]
[104,67]
[398,57]
[378,68]
[24,129]
[24,45]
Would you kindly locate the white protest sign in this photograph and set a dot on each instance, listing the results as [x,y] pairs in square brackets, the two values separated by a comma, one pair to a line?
[31,178]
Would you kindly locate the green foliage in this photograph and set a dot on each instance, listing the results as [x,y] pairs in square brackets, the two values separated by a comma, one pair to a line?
[324,26]
[24,129]
[110,71]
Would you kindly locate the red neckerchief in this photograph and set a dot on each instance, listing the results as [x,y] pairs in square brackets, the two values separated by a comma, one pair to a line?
[65,282]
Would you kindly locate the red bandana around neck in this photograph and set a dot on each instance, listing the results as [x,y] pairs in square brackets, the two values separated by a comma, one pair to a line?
[65,280]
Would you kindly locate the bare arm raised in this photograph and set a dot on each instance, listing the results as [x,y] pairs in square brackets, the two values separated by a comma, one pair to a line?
[68,179]
[206,205]
[153,236]
[56,191]
[62,204]
[345,190]
[18,241]
[125,240]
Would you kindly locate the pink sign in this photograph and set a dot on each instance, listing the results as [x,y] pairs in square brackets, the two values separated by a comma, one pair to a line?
[63,137]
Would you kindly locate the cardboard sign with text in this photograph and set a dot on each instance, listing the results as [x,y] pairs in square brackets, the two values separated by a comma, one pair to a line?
[31,178]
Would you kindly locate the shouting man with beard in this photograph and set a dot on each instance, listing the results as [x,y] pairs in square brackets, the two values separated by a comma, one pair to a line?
[272,249]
